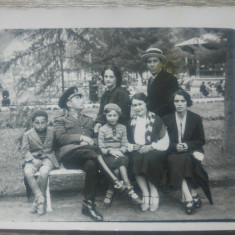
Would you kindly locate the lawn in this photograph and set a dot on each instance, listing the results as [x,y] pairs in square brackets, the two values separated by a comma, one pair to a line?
[11,177]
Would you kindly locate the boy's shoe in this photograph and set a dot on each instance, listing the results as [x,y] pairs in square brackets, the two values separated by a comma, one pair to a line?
[133,196]
[34,206]
[41,208]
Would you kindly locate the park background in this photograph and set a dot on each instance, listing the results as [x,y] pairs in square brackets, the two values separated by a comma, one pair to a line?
[38,65]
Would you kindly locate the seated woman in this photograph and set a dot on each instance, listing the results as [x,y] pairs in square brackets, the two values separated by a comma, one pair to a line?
[149,141]
[186,140]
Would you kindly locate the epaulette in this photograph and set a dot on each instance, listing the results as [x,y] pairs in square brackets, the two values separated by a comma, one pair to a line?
[84,115]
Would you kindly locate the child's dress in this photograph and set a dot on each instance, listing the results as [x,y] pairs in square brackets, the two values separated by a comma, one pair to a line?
[110,138]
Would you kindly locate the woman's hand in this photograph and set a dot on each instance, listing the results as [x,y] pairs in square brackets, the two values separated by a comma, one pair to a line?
[83,143]
[136,147]
[145,149]
[87,139]
[97,127]
[116,153]
[182,147]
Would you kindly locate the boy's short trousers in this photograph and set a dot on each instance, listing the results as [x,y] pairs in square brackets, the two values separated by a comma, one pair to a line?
[45,162]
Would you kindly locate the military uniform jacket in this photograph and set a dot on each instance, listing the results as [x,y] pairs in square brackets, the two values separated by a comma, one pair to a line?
[32,146]
[68,131]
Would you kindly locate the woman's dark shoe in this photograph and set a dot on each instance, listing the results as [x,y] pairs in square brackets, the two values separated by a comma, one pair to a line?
[133,196]
[120,187]
[189,207]
[197,201]
[88,209]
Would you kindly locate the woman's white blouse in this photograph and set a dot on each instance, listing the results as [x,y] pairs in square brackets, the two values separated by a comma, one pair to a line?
[140,130]
[139,136]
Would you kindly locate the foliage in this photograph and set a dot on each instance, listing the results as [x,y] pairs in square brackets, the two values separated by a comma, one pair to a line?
[52,52]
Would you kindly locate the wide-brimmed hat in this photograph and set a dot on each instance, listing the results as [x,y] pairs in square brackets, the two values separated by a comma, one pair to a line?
[69,94]
[153,52]
[112,106]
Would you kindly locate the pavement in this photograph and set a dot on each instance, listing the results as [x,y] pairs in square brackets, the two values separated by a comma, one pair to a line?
[67,202]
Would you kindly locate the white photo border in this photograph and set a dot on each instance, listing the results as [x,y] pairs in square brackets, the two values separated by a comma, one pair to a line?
[127,17]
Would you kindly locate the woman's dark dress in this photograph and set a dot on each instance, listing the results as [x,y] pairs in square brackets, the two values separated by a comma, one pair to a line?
[182,165]
[117,96]
[151,164]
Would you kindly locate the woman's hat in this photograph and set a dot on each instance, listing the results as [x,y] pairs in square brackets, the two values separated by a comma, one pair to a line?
[153,52]
[114,107]
[69,94]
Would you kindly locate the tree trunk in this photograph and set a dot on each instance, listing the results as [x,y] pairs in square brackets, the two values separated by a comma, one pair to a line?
[230,95]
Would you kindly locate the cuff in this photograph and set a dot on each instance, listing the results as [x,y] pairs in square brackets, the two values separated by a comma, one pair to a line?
[130,147]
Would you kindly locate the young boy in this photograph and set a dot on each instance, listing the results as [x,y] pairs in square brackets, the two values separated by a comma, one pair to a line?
[38,154]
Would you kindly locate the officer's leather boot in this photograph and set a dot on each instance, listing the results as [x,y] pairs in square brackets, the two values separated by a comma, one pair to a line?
[88,209]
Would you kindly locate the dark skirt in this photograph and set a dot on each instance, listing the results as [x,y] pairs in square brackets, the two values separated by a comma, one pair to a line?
[151,164]
[180,166]
[116,163]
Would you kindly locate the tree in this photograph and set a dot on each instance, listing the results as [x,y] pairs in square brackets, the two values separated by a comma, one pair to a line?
[52,52]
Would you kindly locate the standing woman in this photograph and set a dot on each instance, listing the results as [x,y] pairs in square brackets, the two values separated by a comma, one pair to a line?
[115,94]
[186,153]
[149,141]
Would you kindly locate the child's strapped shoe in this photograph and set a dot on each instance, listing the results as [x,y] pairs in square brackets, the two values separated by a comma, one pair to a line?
[133,196]
[120,187]
[108,199]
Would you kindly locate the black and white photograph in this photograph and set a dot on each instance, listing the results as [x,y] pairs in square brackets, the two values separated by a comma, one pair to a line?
[110,126]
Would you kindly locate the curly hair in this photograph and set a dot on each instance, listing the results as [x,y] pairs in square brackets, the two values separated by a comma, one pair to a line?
[117,73]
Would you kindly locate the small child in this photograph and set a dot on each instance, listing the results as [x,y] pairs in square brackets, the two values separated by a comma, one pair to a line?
[38,154]
[113,142]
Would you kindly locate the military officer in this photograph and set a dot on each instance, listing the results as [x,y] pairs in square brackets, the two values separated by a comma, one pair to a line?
[77,149]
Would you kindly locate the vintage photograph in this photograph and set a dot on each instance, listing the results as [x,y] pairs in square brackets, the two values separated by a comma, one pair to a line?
[116,125]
